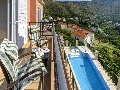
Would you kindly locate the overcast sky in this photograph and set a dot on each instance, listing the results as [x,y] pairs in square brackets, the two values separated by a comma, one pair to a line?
[73,0]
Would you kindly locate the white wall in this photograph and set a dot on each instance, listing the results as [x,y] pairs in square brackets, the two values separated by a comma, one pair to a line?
[80,40]
[64,26]
[72,36]
[90,38]
[22,22]
[69,29]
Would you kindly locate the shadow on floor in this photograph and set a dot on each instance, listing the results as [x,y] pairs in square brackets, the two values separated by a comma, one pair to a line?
[3,86]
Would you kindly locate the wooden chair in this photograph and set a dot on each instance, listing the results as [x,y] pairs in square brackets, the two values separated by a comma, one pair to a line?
[18,77]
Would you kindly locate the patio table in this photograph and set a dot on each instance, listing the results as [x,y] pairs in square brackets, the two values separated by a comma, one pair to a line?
[38,52]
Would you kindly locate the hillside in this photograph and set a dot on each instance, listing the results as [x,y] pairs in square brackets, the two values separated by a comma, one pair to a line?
[96,9]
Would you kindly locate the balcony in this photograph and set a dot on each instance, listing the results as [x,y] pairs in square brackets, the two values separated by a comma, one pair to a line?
[55,79]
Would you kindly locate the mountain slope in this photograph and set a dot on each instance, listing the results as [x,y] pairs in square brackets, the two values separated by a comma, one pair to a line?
[101,9]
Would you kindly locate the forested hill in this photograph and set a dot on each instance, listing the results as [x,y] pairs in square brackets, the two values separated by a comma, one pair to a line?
[102,9]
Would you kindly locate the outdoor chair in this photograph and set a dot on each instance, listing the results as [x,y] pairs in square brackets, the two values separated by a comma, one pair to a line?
[34,36]
[19,77]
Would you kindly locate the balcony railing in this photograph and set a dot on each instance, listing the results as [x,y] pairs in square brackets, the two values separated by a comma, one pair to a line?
[70,77]
[43,26]
[61,83]
[60,80]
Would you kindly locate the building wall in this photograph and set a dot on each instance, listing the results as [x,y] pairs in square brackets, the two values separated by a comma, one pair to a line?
[90,38]
[64,26]
[28,10]
[22,23]
[79,39]
[33,10]
[70,29]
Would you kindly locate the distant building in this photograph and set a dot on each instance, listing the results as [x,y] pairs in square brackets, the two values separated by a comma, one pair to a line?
[117,24]
[58,18]
[71,18]
[50,18]
[63,25]
[93,28]
[81,35]
[76,18]
[72,27]
[63,19]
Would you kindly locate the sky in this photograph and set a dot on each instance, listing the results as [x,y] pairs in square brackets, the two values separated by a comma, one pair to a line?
[73,0]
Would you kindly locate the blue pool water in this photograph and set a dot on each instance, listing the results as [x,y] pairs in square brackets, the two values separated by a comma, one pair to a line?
[87,74]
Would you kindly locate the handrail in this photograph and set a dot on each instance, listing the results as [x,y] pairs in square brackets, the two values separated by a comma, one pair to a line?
[72,80]
[60,72]
[41,25]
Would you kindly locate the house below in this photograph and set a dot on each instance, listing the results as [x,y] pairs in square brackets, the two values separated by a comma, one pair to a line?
[72,27]
[81,35]
[63,25]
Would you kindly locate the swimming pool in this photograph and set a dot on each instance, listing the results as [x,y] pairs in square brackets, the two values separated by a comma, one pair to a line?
[88,76]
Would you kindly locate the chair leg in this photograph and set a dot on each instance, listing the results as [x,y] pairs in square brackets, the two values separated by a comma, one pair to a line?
[31,47]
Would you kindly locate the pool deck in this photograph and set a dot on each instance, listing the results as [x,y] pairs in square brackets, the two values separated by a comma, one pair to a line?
[104,74]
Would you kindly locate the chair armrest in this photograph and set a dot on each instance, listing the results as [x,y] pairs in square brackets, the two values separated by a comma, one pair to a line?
[28,53]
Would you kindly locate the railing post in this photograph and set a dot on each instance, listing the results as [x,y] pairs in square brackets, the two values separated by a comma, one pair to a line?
[85,42]
[73,82]
[96,54]
[66,43]
[64,55]
[76,42]
[70,72]
[40,29]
